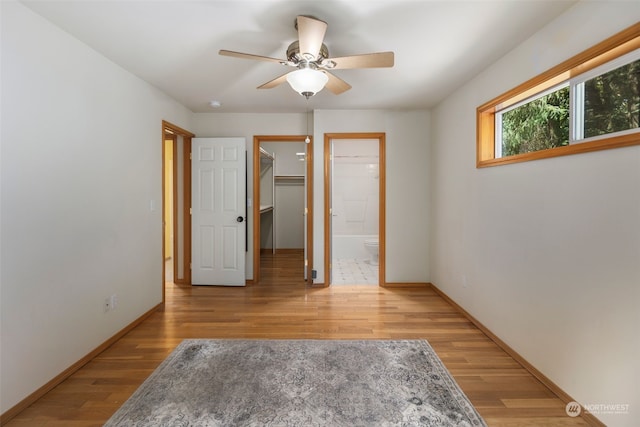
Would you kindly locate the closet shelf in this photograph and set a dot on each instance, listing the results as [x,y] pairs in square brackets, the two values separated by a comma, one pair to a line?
[289,177]
[266,208]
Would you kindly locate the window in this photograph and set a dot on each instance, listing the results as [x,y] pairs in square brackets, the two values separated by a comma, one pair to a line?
[609,102]
[590,102]
[534,125]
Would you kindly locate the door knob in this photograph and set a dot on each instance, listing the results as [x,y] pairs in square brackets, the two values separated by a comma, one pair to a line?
[240,219]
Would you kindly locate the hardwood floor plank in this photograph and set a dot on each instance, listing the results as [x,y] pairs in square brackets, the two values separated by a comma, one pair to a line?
[282,307]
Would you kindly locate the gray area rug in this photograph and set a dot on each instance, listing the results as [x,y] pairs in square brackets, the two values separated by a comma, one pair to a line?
[299,383]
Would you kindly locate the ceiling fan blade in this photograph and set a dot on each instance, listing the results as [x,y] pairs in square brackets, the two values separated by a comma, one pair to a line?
[310,36]
[368,60]
[275,82]
[336,85]
[250,56]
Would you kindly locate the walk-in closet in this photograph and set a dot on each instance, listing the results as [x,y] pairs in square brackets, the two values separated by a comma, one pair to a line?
[282,197]
[267,201]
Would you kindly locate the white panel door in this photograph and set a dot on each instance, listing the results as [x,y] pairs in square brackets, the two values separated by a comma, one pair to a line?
[218,211]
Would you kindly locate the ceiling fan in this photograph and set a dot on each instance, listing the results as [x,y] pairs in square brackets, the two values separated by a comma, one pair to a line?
[310,56]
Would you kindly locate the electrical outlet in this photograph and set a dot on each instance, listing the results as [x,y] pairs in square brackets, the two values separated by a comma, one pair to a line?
[107,304]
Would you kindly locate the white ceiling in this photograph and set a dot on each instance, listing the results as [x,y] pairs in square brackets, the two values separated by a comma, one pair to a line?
[173,45]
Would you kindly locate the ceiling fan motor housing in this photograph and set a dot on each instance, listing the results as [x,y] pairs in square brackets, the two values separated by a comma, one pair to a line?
[294,55]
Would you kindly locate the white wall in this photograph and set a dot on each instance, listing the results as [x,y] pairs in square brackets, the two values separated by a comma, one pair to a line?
[81,163]
[408,196]
[549,250]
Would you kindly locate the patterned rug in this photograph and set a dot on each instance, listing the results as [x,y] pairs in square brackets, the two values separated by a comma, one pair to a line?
[299,383]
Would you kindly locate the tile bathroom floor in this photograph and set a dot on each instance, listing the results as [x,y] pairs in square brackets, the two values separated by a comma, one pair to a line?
[349,271]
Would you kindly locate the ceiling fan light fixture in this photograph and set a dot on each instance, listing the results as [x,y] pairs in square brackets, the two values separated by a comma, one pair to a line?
[307,81]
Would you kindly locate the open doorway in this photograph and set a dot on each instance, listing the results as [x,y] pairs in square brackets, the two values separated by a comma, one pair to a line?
[176,200]
[282,202]
[168,208]
[355,209]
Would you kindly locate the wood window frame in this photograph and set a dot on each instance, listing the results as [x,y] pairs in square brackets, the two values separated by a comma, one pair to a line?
[615,46]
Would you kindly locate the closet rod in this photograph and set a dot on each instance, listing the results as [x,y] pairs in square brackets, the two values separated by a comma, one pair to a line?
[265,153]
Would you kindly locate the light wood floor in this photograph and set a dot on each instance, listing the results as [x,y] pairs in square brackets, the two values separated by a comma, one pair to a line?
[282,307]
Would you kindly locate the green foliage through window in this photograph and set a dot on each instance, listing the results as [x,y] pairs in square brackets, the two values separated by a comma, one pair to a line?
[537,125]
[605,104]
[612,101]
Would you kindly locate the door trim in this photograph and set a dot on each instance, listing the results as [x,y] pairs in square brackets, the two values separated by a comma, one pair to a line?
[381,137]
[169,128]
[257,139]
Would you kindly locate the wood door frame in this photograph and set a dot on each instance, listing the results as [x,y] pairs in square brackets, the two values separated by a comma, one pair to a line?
[174,148]
[171,129]
[257,139]
[381,137]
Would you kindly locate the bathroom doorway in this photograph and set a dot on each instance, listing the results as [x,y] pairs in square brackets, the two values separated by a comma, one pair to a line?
[354,209]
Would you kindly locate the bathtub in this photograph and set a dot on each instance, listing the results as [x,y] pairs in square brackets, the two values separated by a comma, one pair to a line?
[350,246]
